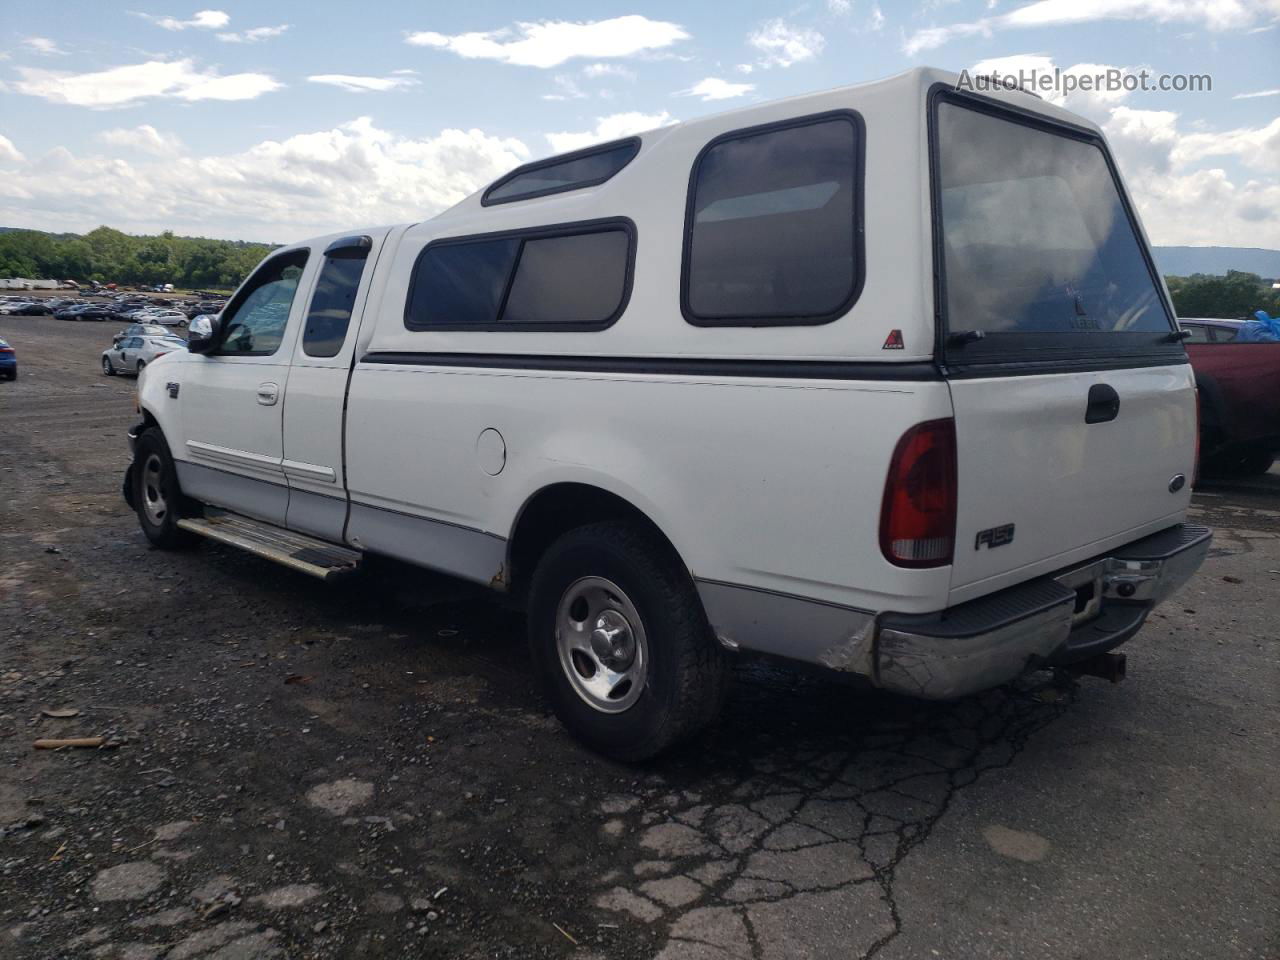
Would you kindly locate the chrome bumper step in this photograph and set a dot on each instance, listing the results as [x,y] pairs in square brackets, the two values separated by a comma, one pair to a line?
[318,558]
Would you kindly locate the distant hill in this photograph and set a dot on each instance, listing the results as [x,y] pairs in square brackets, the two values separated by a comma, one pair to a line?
[1184,261]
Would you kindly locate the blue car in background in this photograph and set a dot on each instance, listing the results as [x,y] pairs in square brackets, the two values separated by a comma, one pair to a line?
[8,361]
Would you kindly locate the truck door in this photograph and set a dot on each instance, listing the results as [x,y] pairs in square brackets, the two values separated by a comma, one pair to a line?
[232,397]
[1075,411]
[322,361]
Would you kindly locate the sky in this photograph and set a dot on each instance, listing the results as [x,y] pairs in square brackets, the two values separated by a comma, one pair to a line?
[275,121]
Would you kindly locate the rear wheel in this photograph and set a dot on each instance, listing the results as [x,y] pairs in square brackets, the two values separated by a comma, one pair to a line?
[107,368]
[620,641]
[137,372]
[157,499]
[1256,462]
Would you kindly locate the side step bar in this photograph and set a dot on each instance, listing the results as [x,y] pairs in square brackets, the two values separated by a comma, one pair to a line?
[319,558]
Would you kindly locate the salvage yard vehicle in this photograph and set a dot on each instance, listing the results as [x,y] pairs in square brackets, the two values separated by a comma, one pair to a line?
[8,361]
[132,354]
[1239,384]
[881,379]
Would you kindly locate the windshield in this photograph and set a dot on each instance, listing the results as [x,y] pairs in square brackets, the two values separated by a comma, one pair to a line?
[1035,236]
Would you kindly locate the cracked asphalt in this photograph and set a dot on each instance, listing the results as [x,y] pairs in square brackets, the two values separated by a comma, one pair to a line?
[301,770]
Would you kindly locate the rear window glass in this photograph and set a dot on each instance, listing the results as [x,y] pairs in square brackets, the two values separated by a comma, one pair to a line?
[773,226]
[563,278]
[1035,236]
[583,168]
[331,306]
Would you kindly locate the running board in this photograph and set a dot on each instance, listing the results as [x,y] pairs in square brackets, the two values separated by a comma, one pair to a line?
[319,558]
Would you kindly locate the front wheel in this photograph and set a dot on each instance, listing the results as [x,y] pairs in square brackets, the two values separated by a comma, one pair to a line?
[157,498]
[620,642]
[107,368]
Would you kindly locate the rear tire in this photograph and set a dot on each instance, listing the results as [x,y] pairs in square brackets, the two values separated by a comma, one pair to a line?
[1255,463]
[137,371]
[157,498]
[620,641]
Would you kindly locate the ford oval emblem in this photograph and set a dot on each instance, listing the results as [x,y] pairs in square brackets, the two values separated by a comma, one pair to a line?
[1177,483]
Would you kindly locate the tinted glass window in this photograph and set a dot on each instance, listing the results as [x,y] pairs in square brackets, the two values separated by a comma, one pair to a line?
[254,322]
[578,279]
[461,283]
[331,306]
[529,281]
[773,233]
[1195,333]
[582,169]
[1036,238]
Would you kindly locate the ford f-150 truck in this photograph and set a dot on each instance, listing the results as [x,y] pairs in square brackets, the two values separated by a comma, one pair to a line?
[881,379]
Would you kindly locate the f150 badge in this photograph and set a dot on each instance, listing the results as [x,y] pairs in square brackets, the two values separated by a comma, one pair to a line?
[993,537]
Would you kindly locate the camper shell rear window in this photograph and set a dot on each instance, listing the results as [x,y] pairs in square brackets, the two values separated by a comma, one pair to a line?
[1037,252]
[568,171]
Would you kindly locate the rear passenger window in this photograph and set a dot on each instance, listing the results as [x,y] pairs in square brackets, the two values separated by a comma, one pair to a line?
[334,298]
[572,171]
[773,228]
[563,278]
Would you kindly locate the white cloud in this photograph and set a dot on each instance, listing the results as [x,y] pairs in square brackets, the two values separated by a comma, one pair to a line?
[566,89]
[1257,93]
[203,20]
[1024,68]
[609,128]
[254,35]
[1257,147]
[782,45]
[279,190]
[43,46]
[357,84]
[875,22]
[713,88]
[144,138]
[1211,14]
[549,43]
[8,152]
[595,70]
[122,86]
[840,8]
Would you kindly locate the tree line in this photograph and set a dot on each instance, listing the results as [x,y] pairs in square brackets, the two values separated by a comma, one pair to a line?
[109,256]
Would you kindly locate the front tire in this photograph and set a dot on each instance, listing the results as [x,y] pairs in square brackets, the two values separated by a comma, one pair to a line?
[107,368]
[157,499]
[620,641]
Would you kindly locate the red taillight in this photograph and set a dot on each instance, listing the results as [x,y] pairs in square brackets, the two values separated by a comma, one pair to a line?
[6,349]
[918,516]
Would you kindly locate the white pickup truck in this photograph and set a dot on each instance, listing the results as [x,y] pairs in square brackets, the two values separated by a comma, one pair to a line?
[882,379]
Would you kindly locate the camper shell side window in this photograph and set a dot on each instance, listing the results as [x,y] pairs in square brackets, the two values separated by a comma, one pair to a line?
[774,224]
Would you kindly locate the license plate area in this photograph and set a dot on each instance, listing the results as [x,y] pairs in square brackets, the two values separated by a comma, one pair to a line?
[1087,584]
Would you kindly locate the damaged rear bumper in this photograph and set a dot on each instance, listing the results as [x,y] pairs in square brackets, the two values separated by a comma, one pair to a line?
[1057,620]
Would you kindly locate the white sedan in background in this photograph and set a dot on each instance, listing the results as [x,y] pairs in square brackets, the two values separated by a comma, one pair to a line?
[131,354]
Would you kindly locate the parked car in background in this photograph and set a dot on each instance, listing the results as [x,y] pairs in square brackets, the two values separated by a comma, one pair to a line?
[8,361]
[31,308]
[86,311]
[1239,383]
[141,330]
[132,354]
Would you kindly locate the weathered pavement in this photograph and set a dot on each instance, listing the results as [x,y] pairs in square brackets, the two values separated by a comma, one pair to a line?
[310,771]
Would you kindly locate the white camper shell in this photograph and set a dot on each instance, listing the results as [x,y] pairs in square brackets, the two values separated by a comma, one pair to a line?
[881,378]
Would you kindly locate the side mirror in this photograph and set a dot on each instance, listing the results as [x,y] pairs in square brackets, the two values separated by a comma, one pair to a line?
[204,333]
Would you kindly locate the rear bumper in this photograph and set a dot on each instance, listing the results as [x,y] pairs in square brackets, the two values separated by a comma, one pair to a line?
[1056,620]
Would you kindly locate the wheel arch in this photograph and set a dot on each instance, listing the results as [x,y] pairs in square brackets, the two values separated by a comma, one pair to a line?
[557,508]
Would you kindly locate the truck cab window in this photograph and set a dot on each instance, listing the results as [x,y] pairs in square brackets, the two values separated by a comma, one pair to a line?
[254,322]
[331,306]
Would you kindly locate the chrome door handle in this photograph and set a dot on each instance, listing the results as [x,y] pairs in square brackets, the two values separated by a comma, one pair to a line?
[268,393]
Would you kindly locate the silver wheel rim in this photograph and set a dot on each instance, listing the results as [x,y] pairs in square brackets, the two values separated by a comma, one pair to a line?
[602,645]
[152,495]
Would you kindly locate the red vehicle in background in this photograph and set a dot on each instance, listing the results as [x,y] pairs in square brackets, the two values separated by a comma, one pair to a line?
[1239,385]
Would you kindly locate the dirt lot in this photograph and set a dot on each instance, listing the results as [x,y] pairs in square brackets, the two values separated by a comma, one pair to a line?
[303,770]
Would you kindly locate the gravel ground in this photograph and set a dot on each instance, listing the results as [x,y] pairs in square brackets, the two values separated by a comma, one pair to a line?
[305,770]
